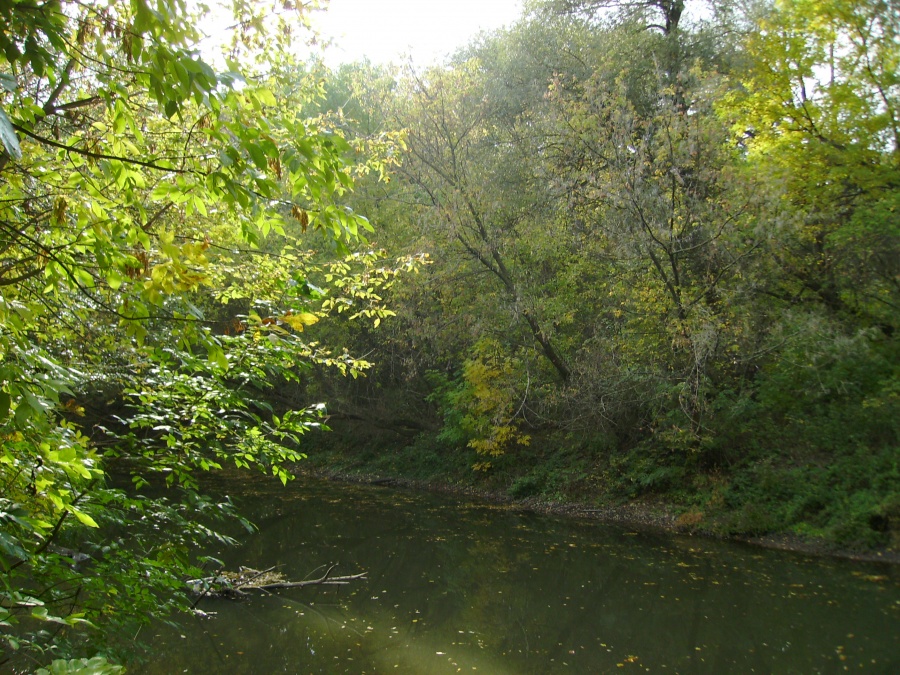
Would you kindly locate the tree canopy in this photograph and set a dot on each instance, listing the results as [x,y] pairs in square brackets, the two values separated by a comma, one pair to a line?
[665,250]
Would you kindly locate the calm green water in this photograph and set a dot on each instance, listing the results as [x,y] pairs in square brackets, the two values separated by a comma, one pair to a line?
[455,586]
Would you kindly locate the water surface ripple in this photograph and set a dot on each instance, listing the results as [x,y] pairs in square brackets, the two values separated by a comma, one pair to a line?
[461,587]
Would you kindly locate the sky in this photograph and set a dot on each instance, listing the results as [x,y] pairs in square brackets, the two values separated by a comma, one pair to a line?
[427,30]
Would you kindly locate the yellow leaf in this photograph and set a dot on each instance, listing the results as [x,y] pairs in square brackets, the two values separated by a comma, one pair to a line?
[298,321]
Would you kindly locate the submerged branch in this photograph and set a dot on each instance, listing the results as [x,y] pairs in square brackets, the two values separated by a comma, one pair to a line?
[236,584]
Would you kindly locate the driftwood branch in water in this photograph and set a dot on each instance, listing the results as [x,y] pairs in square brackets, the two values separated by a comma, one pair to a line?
[336,581]
[231,584]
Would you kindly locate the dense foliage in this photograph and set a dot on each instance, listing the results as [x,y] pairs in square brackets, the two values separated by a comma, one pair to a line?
[156,287]
[666,266]
[666,262]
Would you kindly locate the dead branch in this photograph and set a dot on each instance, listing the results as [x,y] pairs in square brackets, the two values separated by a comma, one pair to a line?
[236,584]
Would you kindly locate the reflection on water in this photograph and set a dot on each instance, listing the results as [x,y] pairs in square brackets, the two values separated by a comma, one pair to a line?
[465,587]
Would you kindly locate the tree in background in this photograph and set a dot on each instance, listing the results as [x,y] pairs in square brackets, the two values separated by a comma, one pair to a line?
[668,240]
[820,104]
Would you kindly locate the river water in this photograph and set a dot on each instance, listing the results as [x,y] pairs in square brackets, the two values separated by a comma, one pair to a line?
[456,586]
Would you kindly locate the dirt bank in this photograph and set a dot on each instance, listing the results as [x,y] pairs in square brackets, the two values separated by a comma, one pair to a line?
[646,514]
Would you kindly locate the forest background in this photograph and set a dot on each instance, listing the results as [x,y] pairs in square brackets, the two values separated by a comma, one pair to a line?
[664,265]
[614,253]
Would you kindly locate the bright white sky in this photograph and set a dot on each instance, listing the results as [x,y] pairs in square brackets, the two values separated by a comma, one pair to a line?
[387,30]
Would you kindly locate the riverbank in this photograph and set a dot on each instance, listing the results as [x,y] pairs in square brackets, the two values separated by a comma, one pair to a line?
[647,512]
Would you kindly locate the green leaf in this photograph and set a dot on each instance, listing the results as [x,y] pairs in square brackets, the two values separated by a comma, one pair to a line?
[257,155]
[265,97]
[95,666]
[8,136]
[8,82]
[114,279]
[9,545]
[83,517]
[143,16]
